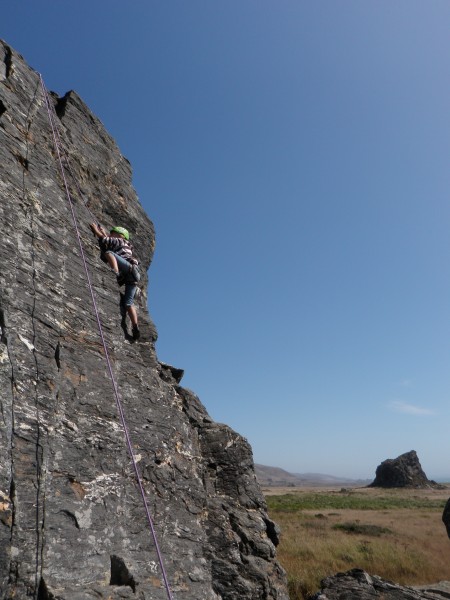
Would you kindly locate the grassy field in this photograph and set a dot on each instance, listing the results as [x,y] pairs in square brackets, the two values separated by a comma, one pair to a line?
[397,534]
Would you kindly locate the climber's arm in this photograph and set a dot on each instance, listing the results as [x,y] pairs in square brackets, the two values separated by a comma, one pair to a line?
[98,230]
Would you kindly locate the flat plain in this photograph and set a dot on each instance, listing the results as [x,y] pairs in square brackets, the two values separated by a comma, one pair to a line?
[397,534]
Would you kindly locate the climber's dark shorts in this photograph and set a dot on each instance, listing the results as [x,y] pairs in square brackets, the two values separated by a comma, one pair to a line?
[129,276]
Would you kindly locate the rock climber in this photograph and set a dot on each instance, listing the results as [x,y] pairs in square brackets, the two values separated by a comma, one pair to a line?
[117,251]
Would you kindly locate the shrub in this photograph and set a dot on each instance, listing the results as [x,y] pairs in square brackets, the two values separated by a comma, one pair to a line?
[362,528]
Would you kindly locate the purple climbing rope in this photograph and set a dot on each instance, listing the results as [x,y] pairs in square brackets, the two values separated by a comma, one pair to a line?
[58,148]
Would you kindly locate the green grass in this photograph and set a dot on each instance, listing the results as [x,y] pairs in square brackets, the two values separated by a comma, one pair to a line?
[396,534]
[348,500]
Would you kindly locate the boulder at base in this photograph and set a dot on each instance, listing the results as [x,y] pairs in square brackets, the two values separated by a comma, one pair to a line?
[359,585]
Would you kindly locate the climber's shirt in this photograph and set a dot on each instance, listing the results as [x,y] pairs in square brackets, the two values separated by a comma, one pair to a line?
[119,246]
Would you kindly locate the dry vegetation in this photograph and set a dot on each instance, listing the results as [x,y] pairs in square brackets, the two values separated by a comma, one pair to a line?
[397,534]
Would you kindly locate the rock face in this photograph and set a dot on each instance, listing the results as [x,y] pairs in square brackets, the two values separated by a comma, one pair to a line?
[359,585]
[404,471]
[446,517]
[72,525]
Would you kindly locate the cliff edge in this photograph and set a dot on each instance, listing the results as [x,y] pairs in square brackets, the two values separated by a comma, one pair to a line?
[72,524]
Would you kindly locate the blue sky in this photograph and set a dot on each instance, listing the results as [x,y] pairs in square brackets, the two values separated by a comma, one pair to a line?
[293,156]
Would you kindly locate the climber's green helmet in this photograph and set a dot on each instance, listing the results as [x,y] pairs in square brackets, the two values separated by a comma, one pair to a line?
[122,231]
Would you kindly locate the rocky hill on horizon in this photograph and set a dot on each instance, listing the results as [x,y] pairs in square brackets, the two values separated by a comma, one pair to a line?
[276,477]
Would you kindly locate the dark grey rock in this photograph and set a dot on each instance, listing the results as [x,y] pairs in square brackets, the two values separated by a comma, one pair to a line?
[446,517]
[72,525]
[359,585]
[403,471]
[170,374]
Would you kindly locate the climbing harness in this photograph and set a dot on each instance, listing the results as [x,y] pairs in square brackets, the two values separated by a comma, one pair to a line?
[61,158]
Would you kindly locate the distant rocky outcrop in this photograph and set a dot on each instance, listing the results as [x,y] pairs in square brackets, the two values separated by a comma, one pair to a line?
[359,585]
[72,525]
[403,471]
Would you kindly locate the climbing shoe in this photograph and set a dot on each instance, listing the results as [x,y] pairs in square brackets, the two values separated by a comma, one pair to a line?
[136,333]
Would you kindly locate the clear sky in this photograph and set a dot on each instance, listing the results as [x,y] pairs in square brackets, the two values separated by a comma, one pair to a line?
[294,157]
